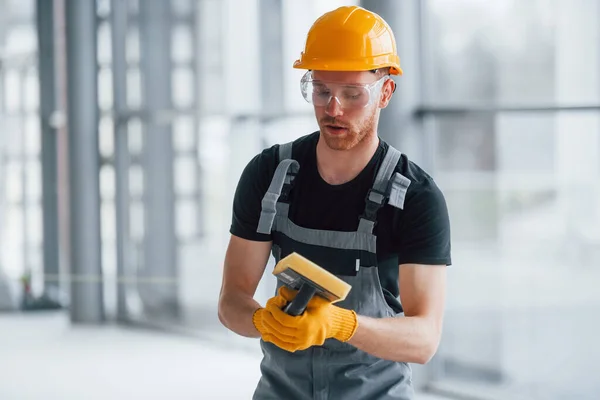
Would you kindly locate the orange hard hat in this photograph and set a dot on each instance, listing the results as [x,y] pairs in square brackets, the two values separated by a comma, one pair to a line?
[350,38]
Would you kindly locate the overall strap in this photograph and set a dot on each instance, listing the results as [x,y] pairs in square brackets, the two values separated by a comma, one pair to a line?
[285,151]
[279,187]
[380,191]
[400,185]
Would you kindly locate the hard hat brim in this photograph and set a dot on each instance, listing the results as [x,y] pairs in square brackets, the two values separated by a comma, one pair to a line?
[337,65]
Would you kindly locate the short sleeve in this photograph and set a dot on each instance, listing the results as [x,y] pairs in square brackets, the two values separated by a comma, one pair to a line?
[251,188]
[424,229]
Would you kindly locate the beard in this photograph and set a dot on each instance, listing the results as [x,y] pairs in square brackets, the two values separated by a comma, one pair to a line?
[354,134]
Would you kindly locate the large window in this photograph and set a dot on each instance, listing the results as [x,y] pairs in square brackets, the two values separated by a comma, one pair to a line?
[512,94]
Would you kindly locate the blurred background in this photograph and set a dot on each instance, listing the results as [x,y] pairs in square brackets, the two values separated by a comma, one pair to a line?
[124,127]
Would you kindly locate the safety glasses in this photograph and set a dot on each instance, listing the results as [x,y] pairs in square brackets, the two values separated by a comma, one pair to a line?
[348,96]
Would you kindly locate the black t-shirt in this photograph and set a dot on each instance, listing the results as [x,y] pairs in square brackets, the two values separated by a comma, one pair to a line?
[419,233]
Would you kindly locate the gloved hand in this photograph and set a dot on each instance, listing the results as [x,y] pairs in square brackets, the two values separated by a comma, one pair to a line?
[321,320]
[257,318]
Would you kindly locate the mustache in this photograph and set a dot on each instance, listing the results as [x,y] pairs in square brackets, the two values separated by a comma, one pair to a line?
[332,121]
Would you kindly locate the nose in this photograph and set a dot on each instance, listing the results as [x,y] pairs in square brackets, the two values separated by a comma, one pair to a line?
[333,108]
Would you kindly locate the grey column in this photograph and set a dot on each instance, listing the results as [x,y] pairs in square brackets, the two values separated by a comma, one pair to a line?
[272,95]
[7,300]
[45,31]
[397,124]
[199,81]
[271,55]
[160,259]
[84,200]
[3,20]
[119,71]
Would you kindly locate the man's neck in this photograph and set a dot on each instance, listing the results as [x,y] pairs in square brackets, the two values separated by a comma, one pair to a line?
[340,166]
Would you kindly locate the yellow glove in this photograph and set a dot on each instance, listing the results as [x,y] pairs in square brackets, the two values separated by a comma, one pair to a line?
[257,318]
[321,320]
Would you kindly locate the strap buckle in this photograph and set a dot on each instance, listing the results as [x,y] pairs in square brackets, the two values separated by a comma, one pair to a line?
[287,187]
[374,200]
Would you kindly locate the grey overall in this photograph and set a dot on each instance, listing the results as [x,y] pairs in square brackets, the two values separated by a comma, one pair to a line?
[335,370]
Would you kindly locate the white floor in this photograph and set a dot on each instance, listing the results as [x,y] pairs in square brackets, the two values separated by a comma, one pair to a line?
[43,357]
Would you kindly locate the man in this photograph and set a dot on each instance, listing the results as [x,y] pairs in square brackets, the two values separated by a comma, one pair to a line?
[351,203]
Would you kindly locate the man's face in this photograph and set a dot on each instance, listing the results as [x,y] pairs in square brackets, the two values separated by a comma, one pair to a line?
[343,128]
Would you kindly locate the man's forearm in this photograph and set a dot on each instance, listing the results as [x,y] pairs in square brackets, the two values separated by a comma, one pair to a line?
[235,313]
[405,339]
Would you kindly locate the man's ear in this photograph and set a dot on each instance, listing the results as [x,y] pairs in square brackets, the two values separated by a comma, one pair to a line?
[388,89]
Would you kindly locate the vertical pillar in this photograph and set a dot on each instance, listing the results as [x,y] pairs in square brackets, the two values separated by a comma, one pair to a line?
[3,22]
[271,51]
[160,258]
[119,71]
[270,30]
[7,302]
[199,81]
[47,79]
[59,122]
[397,124]
[84,162]
[210,56]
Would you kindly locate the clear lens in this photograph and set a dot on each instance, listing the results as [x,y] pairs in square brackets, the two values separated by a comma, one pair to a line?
[320,93]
